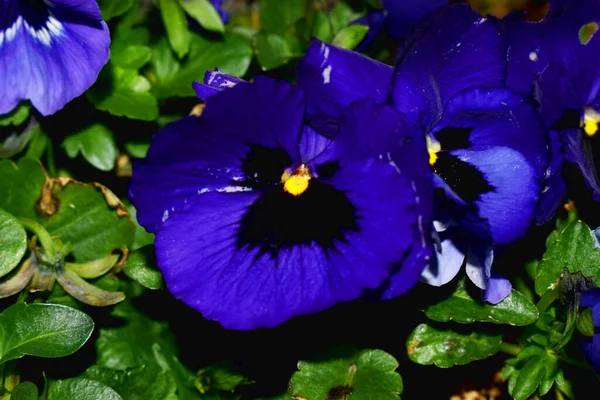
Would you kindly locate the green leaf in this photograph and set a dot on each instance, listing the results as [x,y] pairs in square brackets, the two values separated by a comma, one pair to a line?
[97,145]
[81,389]
[176,26]
[271,50]
[16,117]
[232,55]
[114,8]
[142,237]
[137,149]
[322,27]
[140,266]
[24,391]
[463,308]
[537,370]
[89,217]
[13,242]
[134,56]
[203,12]
[18,139]
[277,15]
[221,377]
[142,383]
[368,374]
[572,248]
[42,330]
[350,36]
[427,345]
[124,93]
[341,16]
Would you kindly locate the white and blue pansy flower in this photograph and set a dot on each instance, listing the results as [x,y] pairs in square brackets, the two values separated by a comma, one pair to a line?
[50,51]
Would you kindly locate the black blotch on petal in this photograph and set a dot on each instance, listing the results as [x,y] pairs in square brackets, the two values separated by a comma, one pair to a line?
[464,178]
[452,138]
[328,169]
[570,119]
[263,166]
[278,220]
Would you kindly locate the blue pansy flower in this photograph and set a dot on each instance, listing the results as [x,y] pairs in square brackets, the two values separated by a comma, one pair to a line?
[591,348]
[487,146]
[50,51]
[259,218]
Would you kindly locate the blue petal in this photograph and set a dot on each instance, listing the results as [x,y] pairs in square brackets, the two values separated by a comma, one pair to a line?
[554,187]
[50,56]
[453,49]
[333,78]
[590,298]
[592,351]
[579,150]
[215,82]
[448,262]
[200,154]
[497,290]
[403,15]
[480,257]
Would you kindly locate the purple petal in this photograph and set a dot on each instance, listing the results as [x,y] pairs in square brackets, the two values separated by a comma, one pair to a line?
[403,15]
[448,262]
[215,82]
[592,351]
[590,298]
[498,289]
[554,186]
[480,257]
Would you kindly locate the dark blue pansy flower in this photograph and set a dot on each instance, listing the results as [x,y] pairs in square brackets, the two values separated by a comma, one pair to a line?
[591,348]
[403,15]
[259,218]
[487,146]
[215,82]
[50,51]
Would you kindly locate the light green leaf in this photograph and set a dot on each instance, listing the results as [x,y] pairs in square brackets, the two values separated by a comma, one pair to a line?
[368,374]
[42,330]
[81,389]
[271,50]
[124,93]
[427,345]
[97,145]
[342,15]
[203,12]
[322,27]
[350,36]
[176,26]
[276,15]
[15,117]
[232,55]
[141,267]
[13,242]
[134,56]
[463,308]
[573,248]
[137,149]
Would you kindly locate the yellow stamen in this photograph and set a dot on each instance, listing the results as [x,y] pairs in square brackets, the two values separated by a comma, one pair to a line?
[433,147]
[296,182]
[591,118]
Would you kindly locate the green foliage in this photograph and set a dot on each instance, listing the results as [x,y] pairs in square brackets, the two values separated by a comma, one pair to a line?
[97,145]
[81,389]
[43,330]
[13,242]
[139,383]
[15,117]
[141,267]
[368,374]
[24,391]
[203,12]
[175,24]
[350,36]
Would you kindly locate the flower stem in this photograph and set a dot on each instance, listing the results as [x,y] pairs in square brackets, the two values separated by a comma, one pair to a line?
[42,235]
[509,348]
[547,300]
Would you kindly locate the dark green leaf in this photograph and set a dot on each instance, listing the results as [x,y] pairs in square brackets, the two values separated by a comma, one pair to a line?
[203,12]
[462,307]
[271,50]
[368,374]
[15,117]
[21,186]
[176,26]
[572,248]
[43,330]
[81,389]
[124,93]
[24,391]
[97,145]
[141,267]
[143,383]
[350,36]
[142,237]
[277,15]
[114,8]
[427,345]
[232,55]
[223,377]
[13,242]
[529,378]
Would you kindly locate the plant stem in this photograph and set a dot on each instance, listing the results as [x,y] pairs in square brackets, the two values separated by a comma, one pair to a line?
[547,300]
[42,235]
[509,348]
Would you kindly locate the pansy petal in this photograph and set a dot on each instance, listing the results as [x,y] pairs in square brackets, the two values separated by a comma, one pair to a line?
[554,187]
[448,262]
[246,285]
[583,151]
[403,15]
[451,50]
[590,298]
[333,78]
[480,257]
[214,82]
[498,288]
[50,56]
[213,152]
[592,351]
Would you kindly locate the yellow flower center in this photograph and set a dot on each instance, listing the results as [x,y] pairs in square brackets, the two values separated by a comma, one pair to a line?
[433,147]
[591,118]
[296,182]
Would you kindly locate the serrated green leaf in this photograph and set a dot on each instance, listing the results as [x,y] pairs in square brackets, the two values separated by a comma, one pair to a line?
[142,383]
[350,36]
[427,345]
[24,391]
[43,330]
[124,93]
[271,50]
[368,374]
[97,145]
[205,13]
[574,249]
[15,117]
[81,389]
[141,267]
[463,308]
[176,26]
[114,8]
[276,15]
[232,55]
[13,242]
